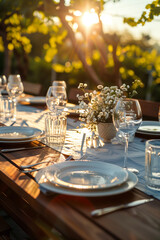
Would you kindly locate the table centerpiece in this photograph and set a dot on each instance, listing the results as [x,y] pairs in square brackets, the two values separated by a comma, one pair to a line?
[97,107]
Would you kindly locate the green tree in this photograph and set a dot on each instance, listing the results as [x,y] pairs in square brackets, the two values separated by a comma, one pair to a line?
[151,10]
[103,56]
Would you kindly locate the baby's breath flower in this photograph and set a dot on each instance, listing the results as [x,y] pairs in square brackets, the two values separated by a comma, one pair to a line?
[99,87]
[86,95]
[100,104]
[80,85]
[83,119]
[80,98]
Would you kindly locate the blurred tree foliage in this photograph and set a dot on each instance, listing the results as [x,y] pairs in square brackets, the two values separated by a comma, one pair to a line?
[151,10]
[39,35]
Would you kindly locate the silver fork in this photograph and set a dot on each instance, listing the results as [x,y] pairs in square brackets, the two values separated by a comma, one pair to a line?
[35,164]
[7,150]
[31,170]
[25,170]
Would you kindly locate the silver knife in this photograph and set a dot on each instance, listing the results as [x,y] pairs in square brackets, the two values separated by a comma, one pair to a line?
[20,149]
[102,211]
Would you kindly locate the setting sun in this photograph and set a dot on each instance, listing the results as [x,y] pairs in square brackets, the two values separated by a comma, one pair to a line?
[89,18]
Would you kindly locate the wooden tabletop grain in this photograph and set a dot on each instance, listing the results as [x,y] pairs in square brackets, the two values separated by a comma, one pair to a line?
[59,216]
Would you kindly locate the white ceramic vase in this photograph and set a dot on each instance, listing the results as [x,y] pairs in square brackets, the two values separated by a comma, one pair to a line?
[106,131]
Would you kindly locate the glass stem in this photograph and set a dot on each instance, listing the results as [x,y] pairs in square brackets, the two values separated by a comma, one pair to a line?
[126,151]
[14,108]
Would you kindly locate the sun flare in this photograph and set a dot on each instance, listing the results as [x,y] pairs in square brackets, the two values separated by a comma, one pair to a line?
[90,18]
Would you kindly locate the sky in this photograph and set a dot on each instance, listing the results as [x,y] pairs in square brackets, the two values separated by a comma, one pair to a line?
[130,8]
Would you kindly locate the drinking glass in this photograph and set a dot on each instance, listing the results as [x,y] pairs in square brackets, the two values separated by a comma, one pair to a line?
[152,164]
[56,98]
[55,130]
[3,82]
[6,108]
[59,83]
[127,117]
[14,89]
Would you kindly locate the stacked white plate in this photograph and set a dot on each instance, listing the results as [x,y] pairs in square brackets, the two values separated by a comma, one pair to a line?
[86,178]
[149,128]
[17,134]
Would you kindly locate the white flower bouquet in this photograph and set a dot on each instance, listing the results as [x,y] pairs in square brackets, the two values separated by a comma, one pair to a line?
[98,105]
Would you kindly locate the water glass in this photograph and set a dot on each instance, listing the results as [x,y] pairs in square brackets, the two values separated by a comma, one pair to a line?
[55,130]
[152,164]
[6,108]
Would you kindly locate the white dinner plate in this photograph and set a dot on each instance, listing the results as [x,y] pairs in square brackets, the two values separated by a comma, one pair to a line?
[47,186]
[17,133]
[86,175]
[149,127]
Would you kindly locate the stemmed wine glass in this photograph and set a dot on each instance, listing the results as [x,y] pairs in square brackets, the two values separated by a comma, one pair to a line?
[127,117]
[56,98]
[3,83]
[14,89]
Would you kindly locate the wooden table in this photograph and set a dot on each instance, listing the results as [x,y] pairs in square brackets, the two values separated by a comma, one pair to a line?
[67,217]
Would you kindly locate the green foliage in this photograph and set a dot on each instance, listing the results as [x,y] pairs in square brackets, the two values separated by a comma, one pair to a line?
[38,29]
[152,10]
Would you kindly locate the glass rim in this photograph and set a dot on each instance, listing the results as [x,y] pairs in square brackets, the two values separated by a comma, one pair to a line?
[149,142]
[55,114]
[56,87]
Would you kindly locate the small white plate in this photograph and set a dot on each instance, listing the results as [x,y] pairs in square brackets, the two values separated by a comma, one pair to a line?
[149,127]
[33,100]
[16,133]
[86,175]
[47,186]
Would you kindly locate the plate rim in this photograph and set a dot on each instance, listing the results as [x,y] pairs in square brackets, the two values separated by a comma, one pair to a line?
[149,123]
[83,164]
[125,187]
[33,136]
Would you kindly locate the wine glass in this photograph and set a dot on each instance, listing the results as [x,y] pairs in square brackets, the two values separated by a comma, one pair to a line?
[127,117]
[59,83]
[3,82]
[14,89]
[56,98]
